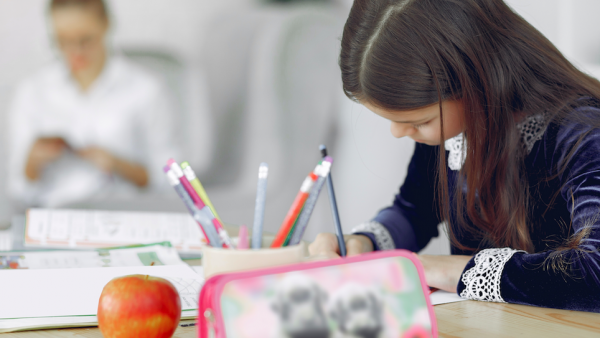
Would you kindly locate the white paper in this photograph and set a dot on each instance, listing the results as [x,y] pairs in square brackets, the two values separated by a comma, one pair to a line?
[76,292]
[66,228]
[199,270]
[140,256]
[442,297]
[10,325]
[5,240]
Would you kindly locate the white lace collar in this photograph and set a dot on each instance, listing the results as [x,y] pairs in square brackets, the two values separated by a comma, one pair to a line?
[532,129]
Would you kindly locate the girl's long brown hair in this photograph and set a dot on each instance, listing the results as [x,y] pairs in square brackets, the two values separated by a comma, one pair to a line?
[406,54]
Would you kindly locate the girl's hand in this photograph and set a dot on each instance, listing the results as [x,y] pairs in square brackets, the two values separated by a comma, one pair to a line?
[443,272]
[326,246]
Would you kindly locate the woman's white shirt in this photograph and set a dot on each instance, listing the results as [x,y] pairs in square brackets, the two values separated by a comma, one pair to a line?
[126,112]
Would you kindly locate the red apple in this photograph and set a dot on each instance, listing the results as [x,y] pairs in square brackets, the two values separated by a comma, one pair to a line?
[139,306]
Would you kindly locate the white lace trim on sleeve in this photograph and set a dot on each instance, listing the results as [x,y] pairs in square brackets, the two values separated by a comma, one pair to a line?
[483,280]
[382,235]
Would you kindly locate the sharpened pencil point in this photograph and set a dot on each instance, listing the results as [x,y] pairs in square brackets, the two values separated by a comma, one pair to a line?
[323,150]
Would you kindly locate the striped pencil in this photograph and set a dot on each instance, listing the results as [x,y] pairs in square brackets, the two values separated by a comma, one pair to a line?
[310,203]
[199,203]
[295,209]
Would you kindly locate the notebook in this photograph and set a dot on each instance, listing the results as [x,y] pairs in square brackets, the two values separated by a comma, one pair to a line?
[46,298]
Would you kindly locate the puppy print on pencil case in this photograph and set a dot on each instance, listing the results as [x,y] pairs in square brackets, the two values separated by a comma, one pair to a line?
[358,312]
[375,299]
[299,305]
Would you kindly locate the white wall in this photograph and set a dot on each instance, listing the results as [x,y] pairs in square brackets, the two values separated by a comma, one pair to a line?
[378,161]
[178,26]
[570,24]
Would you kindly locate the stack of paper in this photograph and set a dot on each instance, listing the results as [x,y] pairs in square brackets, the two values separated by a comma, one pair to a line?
[65,228]
[46,298]
[146,255]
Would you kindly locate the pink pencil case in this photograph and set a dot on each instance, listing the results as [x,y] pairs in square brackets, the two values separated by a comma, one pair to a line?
[376,295]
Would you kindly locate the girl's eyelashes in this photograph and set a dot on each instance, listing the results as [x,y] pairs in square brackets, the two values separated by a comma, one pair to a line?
[417,126]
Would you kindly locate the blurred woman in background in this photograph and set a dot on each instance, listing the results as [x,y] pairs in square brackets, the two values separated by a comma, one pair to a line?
[91,124]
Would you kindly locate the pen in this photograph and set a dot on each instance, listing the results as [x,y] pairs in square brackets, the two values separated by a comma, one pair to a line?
[259,209]
[311,202]
[295,209]
[199,203]
[334,209]
[200,217]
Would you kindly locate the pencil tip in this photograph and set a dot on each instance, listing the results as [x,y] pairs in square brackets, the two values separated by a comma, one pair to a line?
[323,150]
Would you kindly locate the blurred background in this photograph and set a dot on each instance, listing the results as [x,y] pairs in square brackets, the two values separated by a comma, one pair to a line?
[253,81]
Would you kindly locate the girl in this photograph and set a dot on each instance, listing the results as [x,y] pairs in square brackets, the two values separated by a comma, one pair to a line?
[507,154]
[91,123]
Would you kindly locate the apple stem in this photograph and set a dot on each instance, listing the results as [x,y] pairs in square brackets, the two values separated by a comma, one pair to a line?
[151,264]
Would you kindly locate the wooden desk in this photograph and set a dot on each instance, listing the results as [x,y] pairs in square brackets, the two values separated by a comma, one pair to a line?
[463,319]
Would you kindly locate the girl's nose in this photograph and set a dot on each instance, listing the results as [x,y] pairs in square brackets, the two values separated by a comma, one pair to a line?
[400,130]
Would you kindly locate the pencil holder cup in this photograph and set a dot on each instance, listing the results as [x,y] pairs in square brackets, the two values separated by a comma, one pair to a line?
[219,260]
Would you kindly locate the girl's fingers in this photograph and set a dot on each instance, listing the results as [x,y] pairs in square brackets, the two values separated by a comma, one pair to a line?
[324,245]
[355,245]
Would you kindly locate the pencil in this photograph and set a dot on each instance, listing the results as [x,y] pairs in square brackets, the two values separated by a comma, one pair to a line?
[311,202]
[295,209]
[199,203]
[334,209]
[289,235]
[201,218]
[197,185]
[243,238]
[259,209]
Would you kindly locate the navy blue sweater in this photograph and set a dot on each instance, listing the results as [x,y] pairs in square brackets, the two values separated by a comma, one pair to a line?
[526,278]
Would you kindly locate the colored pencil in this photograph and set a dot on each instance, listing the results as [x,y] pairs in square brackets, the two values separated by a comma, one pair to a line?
[200,203]
[310,203]
[197,185]
[295,209]
[200,217]
[334,209]
[243,238]
[289,235]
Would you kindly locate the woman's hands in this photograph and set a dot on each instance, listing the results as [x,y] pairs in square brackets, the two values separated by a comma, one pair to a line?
[443,272]
[46,150]
[326,246]
[109,163]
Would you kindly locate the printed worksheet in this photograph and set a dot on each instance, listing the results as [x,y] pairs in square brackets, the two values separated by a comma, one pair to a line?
[66,228]
[157,254]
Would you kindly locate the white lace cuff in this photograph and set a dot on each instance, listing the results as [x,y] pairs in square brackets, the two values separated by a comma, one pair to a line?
[482,282]
[382,235]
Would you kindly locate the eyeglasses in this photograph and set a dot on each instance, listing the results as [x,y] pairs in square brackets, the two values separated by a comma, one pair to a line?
[83,44]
